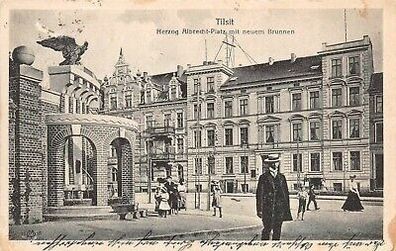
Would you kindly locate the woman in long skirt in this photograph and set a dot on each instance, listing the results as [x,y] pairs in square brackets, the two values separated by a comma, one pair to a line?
[216,198]
[182,192]
[352,202]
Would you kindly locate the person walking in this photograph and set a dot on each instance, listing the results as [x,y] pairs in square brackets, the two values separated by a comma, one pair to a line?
[302,196]
[183,196]
[272,199]
[312,198]
[216,198]
[352,203]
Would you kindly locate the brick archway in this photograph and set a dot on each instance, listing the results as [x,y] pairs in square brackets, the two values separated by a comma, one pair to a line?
[100,131]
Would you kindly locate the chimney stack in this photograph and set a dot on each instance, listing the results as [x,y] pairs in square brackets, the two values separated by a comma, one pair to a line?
[293,57]
[270,61]
[179,72]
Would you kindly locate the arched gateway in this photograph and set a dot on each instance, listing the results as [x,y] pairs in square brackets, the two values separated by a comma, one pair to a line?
[78,154]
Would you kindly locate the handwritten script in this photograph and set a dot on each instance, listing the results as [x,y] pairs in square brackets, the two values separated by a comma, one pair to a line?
[213,243]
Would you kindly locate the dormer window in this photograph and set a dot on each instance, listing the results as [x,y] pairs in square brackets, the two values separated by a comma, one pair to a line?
[173,92]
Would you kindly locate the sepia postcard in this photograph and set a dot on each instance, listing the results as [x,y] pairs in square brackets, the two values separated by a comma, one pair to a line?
[192,125]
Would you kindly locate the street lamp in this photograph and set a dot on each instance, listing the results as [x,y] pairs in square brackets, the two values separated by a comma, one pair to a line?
[210,166]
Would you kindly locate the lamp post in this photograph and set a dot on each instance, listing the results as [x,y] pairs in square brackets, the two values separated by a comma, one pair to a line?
[298,160]
[245,146]
[210,166]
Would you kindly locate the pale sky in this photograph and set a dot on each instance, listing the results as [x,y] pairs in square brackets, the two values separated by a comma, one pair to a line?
[135,31]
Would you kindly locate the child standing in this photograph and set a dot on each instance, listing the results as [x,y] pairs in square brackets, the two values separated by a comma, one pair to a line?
[216,198]
[302,196]
[164,202]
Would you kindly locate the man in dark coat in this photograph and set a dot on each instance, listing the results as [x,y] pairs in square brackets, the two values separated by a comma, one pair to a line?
[272,199]
[312,197]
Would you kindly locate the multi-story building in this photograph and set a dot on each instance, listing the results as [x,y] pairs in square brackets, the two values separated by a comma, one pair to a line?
[313,111]
[376,131]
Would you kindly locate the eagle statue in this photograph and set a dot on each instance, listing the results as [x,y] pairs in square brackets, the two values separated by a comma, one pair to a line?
[71,51]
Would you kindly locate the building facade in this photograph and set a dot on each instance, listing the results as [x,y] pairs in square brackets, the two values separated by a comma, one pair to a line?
[211,121]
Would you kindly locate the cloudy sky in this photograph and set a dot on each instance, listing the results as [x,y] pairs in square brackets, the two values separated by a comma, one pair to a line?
[135,31]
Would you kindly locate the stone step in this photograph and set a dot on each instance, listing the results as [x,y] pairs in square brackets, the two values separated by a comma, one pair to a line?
[80,217]
[79,210]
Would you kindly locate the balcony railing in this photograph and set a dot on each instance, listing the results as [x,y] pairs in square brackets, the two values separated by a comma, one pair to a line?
[163,155]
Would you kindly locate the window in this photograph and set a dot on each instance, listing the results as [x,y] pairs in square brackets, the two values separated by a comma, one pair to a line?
[244,164]
[229,165]
[378,104]
[296,101]
[269,133]
[113,103]
[314,130]
[211,137]
[197,86]
[243,107]
[149,121]
[198,188]
[180,122]
[269,104]
[197,138]
[197,111]
[245,188]
[70,104]
[128,100]
[354,97]
[211,165]
[210,110]
[337,161]
[354,128]
[314,99]
[315,162]
[337,129]
[355,160]
[180,145]
[379,134]
[337,187]
[228,137]
[336,69]
[244,135]
[148,96]
[228,108]
[167,119]
[295,162]
[354,65]
[336,97]
[173,92]
[253,173]
[198,165]
[210,84]
[113,151]
[297,132]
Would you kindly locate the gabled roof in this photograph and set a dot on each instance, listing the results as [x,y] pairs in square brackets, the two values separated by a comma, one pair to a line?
[304,66]
[376,83]
[163,80]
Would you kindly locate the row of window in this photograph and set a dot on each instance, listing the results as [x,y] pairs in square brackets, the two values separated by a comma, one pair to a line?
[167,120]
[210,87]
[269,133]
[269,104]
[336,164]
[314,163]
[353,66]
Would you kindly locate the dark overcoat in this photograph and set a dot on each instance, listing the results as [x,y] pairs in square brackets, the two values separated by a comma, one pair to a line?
[265,199]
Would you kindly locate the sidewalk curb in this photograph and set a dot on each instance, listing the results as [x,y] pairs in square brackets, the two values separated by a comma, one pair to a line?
[199,232]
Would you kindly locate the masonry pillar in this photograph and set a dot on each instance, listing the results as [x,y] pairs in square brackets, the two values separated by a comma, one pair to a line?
[25,91]
[127,174]
[100,177]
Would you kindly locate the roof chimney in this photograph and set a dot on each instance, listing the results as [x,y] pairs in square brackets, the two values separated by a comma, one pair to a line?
[293,57]
[270,61]
[188,66]
[179,72]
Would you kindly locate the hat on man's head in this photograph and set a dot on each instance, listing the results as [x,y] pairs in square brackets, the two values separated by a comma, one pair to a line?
[272,158]
[352,177]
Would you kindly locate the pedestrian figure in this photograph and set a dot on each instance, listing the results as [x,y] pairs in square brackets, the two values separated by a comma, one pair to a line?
[157,198]
[216,198]
[164,202]
[302,196]
[170,188]
[312,197]
[352,202]
[324,185]
[174,199]
[182,192]
[272,199]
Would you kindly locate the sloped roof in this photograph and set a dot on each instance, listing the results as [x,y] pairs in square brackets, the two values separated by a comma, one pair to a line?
[164,79]
[303,66]
[376,83]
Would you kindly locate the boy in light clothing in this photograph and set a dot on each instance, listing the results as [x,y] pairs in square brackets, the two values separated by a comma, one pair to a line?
[302,196]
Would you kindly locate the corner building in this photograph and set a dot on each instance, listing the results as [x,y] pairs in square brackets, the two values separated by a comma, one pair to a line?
[210,121]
